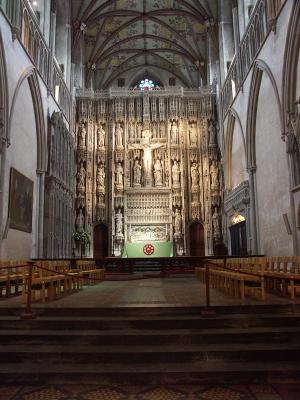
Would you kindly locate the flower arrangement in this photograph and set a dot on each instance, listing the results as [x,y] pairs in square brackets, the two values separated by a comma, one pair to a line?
[82,237]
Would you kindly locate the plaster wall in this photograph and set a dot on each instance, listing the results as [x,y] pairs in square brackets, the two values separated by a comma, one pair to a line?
[22,152]
[238,161]
[22,155]
[272,176]
[272,189]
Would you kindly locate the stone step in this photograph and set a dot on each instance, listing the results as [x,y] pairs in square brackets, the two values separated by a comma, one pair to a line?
[128,355]
[167,373]
[151,337]
[151,322]
[53,310]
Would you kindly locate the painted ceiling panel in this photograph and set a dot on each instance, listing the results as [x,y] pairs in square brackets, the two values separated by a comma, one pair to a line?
[121,34]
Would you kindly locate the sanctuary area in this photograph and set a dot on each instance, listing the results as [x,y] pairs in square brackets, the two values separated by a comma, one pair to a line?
[149,199]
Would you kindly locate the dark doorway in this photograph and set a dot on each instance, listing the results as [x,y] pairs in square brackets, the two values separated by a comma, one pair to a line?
[197,244]
[100,241]
[238,238]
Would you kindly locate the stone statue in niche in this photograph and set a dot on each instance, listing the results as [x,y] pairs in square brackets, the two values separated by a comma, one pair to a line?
[100,177]
[216,224]
[119,136]
[100,136]
[81,176]
[131,131]
[119,176]
[195,175]
[81,136]
[212,134]
[139,130]
[193,135]
[214,171]
[162,130]
[80,200]
[174,133]
[177,223]
[176,174]
[137,173]
[80,221]
[157,173]
[119,223]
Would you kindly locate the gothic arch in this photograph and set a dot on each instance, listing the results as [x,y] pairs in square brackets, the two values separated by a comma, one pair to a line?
[291,57]
[31,75]
[4,103]
[4,128]
[259,68]
[233,118]
[289,94]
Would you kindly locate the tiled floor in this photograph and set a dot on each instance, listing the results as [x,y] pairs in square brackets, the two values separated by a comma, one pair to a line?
[181,291]
[253,391]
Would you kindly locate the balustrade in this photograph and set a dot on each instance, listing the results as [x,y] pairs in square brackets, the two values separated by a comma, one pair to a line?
[26,27]
[261,22]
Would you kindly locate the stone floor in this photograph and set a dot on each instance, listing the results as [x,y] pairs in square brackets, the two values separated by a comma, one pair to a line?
[251,391]
[177,291]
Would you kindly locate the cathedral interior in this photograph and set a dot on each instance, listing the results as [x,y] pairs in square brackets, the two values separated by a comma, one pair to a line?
[150,136]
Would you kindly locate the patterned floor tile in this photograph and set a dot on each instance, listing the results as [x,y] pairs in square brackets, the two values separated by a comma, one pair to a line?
[48,393]
[163,393]
[105,393]
[221,393]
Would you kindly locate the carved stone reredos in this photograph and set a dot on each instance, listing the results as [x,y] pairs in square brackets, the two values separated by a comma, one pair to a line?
[155,171]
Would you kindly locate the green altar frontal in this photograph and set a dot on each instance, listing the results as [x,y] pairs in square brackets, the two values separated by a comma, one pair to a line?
[147,249]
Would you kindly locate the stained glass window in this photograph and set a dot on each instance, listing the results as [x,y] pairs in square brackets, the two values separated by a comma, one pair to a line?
[146,84]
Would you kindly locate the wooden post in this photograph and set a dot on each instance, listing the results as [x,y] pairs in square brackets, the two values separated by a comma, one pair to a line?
[207,311]
[28,314]
[207,288]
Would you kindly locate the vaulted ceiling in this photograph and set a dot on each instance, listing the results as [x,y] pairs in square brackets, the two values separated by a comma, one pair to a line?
[139,37]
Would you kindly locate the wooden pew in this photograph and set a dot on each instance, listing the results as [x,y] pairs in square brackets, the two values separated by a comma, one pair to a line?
[11,277]
[90,272]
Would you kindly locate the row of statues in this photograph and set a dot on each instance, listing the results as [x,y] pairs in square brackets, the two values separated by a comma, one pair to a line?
[119,134]
[158,170]
[214,175]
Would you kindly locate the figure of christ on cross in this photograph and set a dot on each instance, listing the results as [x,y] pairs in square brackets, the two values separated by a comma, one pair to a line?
[147,148]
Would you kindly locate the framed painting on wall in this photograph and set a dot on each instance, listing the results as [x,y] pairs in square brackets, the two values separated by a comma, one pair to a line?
[20,201]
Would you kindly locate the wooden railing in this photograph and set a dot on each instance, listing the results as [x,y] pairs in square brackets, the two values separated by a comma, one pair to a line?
[262,21]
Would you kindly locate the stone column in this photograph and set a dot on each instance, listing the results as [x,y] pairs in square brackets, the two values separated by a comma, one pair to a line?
[253,219]
[226,36]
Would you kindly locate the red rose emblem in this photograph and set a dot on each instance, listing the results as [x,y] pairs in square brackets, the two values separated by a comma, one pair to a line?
[148,249]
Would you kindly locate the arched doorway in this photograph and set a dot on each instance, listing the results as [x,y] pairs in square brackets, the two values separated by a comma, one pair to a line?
[100,241]
[197,242]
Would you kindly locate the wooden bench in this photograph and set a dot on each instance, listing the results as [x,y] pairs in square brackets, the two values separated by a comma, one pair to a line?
[241,277]
[12,275]
[52,279]
[90,272]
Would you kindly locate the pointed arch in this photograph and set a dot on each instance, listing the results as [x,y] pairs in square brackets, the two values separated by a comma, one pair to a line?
[4,97]
[233,118]
[258,69]
[31,75]
[291,60]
